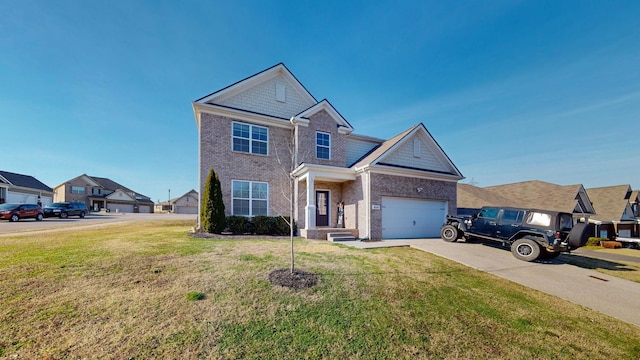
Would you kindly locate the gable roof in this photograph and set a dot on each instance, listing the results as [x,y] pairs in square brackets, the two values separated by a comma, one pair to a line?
[528,194]
[473,197]
[611,202]
[25,181]
[239,99]
[543,195]
[111,185]
[255,78]
[377,156]
[343,124]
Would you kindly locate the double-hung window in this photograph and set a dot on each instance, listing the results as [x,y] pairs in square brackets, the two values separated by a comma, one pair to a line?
[250,198]
[323,145]
[78,190]
[250,139]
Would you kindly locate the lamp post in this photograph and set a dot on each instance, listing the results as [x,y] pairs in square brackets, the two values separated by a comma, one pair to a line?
[169,200]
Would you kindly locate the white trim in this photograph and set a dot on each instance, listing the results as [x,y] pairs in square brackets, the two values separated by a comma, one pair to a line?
[250,138]
[323,146]
[315,193]
[260,77]
[241,115]
[420,174]
[344,127]
[324,172]
[251,199]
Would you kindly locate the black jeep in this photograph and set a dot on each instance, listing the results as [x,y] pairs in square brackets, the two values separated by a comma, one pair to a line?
[531,233]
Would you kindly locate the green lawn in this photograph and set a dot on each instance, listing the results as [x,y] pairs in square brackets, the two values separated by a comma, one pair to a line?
[149,290]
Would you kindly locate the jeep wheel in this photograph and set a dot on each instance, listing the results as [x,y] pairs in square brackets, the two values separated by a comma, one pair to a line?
[449,233]
[525,249]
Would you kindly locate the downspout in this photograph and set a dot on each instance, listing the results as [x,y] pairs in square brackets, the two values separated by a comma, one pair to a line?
[368,202]
[199,120]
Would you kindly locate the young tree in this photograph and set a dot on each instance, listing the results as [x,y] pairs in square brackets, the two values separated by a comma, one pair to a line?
[212,218]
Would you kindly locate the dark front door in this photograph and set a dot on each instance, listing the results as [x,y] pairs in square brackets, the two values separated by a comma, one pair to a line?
[322,208]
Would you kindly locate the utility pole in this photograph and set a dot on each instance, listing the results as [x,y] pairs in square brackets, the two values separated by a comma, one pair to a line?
[169,201]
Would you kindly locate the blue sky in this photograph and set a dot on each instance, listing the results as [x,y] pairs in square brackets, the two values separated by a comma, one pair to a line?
[511,90]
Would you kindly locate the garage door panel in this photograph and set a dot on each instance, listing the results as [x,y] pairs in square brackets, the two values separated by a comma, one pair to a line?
[411,218]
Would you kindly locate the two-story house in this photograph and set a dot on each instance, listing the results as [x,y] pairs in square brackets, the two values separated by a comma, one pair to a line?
[100,193]
[260,131]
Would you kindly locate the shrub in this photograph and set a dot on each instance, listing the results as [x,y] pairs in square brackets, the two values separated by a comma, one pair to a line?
[212,217]
[263,225]
[239,225]
[595,241]
[612,244]
[259,225]
[282,227]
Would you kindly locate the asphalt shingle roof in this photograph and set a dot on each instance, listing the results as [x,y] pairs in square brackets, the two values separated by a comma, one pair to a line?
[25,181]
[610,202]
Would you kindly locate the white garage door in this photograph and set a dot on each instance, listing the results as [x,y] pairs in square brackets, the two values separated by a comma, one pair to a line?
[186,210]
[412,218]
[121,208]
[144,209]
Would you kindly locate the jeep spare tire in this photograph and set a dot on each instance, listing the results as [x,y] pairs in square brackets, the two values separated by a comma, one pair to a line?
[449,233]
[579,235]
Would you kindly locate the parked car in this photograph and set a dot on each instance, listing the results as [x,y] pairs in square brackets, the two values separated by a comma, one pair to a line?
[65,209]
[15,212]
[530,233]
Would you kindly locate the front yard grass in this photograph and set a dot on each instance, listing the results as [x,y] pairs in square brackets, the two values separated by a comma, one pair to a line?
[149,290]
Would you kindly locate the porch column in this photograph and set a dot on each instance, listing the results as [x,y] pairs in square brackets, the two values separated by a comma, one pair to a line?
[310,209]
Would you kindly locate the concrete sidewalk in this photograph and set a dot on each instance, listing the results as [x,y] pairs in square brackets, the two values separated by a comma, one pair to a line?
[607,294]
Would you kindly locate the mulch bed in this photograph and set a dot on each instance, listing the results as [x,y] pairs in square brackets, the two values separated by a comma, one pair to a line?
[299,279]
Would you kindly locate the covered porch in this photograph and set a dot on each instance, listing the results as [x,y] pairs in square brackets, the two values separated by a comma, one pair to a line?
[320,200]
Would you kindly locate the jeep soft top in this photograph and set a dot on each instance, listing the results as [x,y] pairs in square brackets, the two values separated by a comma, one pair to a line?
[531,233]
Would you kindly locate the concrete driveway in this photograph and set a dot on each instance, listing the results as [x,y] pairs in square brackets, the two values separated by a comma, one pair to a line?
[607,294]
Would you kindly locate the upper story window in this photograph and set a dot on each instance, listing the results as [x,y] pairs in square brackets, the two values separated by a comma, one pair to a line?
[95,191]
[250,139]
[323,145]
[78,190]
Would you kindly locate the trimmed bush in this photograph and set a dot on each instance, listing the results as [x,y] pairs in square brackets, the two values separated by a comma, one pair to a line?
[239,225]
[612,245]
[595,241]
[263,225]
[259,225]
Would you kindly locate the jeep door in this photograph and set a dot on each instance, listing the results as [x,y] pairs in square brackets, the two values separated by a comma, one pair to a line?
[485,223]
[509,223]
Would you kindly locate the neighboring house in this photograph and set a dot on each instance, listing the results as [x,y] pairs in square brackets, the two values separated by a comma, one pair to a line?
[185,204]
[615,215]
[101,193]
[23,189]
[259,131]
[530,194]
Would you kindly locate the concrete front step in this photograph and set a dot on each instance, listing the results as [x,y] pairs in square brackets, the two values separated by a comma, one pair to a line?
[334,237]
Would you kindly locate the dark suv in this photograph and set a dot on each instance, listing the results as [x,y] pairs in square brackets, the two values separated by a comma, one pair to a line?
[531,233]
[65,209]
[15,212]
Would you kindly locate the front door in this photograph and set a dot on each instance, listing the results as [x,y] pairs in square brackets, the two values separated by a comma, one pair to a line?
[322,208]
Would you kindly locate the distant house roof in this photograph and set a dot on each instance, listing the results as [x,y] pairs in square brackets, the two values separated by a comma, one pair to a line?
[530,194]
[474,197]
[111,185]
[612,202]
[24,181]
